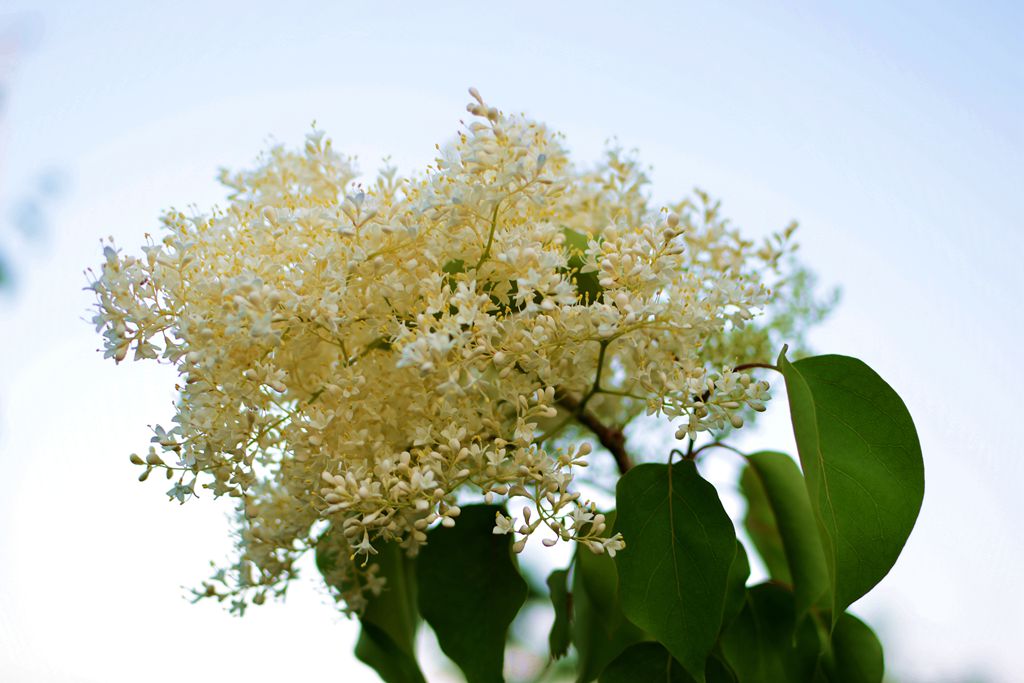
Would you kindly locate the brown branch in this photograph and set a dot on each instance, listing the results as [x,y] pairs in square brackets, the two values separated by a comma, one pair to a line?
[611,438]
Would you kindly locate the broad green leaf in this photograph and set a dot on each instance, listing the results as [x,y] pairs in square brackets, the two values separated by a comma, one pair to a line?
[645,663]
[736,588]
[856,655]
[759,645]
[387,639]
[558,589]
[600,631]
[673,573]
[470,590]
[782,489]
[862,466]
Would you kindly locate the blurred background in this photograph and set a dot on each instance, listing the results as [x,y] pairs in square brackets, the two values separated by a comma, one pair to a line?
[893,131]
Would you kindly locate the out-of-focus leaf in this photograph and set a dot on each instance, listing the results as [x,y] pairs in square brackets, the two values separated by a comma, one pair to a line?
[762,528]
[600,631]
[558,589]
[856,655]
[470,590]
[645,663]
[783,492]
[587,285]
[736,588]
[760,645]
[387,639]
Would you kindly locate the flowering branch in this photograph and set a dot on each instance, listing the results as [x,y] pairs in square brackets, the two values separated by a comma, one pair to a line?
[269,310]
[480,286]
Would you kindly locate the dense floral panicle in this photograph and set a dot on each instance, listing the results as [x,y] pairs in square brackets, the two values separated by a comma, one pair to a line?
[364,354]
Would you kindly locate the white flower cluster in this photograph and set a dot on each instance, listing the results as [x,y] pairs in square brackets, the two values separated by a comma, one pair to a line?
[365,354]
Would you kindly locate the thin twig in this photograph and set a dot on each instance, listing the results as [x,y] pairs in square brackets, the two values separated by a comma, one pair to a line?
[610,437]
[748,366]
[692,455]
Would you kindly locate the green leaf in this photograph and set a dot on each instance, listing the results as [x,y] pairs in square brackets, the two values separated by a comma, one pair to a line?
[561,599]
[759,645]
[856,655]
[862,466]
[718,671]
[645,663]
[783,496]
[762,528]
[680,545]
[736,587]
[454,266]
[377,649]
[587,284]
[470,591]
[387,639]
[600,631]
[576,242]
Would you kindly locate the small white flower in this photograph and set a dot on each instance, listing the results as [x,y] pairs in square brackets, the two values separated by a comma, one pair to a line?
[364,547]
[503,525]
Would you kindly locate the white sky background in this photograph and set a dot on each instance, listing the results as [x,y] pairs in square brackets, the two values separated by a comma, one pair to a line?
[894,135]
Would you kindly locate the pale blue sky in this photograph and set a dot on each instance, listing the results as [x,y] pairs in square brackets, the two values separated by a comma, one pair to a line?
[893,131]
